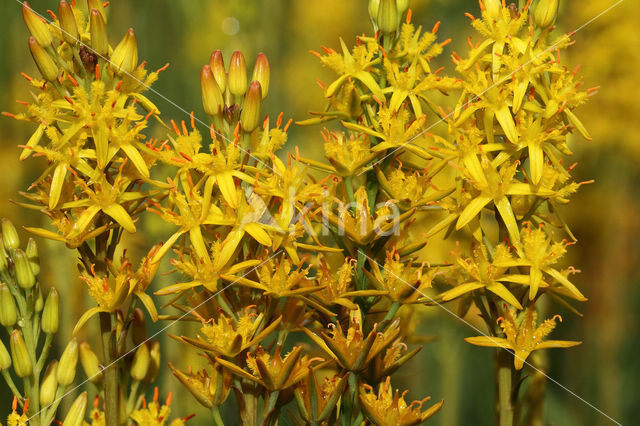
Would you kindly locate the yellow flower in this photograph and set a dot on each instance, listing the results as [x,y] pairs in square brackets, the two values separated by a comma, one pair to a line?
[385,364]
[230,336]
[155,413]
[353,351]
[209,390]
[410,189]
[317,401]
[523,335]
[389,408]
[272,371]
[15,419]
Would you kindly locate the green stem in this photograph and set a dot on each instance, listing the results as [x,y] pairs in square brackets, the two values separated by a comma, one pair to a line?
[133,396]
[111,371]
[12,386]
[504,373]
[393,309]
[216,416]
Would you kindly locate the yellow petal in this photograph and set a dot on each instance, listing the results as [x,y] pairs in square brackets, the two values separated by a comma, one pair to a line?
[56,184]
[506,122]
[198,244]
[101,143]
[472,210]
[258,233]
[488,341]
[84,220]
[472,164]
[459,291]
[506,213]
[134,155]
[566,283]
[229,246]
[578,124]
[504,294]
[535,278]
[85,317]
[166,246]
[33,141]
[148,303]
[177,288]
[120,215]
[548,344]
[228,188]
[536,162]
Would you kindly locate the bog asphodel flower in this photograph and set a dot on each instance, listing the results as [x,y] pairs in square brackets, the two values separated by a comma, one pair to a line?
[523,335]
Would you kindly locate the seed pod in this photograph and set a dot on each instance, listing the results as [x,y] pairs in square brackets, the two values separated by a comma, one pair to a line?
[90,363]
[5,358]
[140,364]
[21,360]
[10,237]
[24,275]
[75,416]
[216,62]
[68,363]
[211,94]
[237,74]
[98,29]
[493,8]
[154,362]
[124,58]
[68,24]
[388,16]
[37,26]
[51,312]
[250,115]
[8,310]
[546,13]
[49,384]
[262,73]
[43,61]
[32,254]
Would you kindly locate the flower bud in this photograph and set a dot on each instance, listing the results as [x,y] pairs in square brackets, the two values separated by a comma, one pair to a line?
[43,61]
[4,263]
[374,6]
[5,358]
[37,26]
[546,13]
[261,73]
[403,6]
[140,364]
[90,363]
[51,312]
[10,237]
[138,327]
[493,8]
[99,6]
[21,360]
[154,362]
[250,115]
[39,302]
[68,363]
[124,58]
[237,74]
[68,24]
[24,275]
[216,62]
[211,94]
[8,310]
[32,255]
[49,384]
[98,29]
[75,416]
[388,16]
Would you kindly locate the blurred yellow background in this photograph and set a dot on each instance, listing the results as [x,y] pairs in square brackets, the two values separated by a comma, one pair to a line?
[605,215]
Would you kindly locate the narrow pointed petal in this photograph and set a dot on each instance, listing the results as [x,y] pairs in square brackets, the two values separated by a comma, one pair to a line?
[506,212]
[488,341]
[258,233]
[536,162]
[502,292]
[134,155]
[535,278]
[472,210]
[120,215]
[56,184]
[228,188]
[459,291]
[506,122]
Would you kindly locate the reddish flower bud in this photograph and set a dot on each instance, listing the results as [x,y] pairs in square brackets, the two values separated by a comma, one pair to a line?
[98,30]
[211,95]
[37,27]
[68,24]
[250,115]
[216,62]
[237,74]
[261,73]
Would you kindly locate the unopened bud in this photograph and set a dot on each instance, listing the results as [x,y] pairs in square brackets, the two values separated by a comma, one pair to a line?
[237,74]
[250,115]
[262,73]
[374,6]
[154,362]
[49,384]
[493,8]
[388,16]
[24,275]
[211,94]
[21,360]
[39,302]
[216,62]
[99,6]
[51,312]
[140,363]
[32,255]
[43,61]
[68,363]
[10,237]
[8,310]
[90,363]
[37,26]
[4,263]
[75,416]
[125,56]
[98,29]
[138,327]
[546,13]
[5,358]
[68,24]
[403,6]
